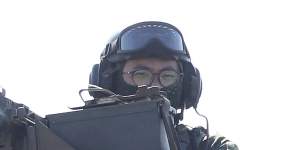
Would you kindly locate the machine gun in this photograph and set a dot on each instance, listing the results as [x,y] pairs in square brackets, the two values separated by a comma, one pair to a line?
[141,121]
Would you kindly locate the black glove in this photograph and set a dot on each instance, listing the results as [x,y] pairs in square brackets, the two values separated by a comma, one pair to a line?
[4,120]
[217,143]
[10,128]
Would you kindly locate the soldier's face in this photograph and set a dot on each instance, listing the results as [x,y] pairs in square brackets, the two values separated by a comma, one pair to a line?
[141,67]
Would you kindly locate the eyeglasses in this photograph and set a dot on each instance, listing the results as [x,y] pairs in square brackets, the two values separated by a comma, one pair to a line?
[166,77]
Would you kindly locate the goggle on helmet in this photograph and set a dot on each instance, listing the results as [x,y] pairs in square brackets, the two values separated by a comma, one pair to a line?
[148,38]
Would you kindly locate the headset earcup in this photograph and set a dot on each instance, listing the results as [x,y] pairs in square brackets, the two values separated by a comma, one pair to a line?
[105,77]
[94,78]
[100,78]
[196,88]
[192,85]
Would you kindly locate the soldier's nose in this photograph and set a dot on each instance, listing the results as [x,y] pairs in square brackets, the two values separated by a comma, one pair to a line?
[156,83]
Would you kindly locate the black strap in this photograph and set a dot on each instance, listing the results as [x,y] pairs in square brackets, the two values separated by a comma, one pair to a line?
[172,137]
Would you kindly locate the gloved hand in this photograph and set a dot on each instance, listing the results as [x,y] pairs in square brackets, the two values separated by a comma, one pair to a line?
[4,103]
[217,143]
[4,119]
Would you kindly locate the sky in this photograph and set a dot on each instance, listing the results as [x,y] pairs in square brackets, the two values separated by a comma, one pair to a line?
[246,51]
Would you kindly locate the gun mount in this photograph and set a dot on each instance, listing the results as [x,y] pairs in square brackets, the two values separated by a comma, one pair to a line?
[140,121]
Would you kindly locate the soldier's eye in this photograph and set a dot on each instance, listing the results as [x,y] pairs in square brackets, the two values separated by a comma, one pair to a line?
[168,77]
[142,77]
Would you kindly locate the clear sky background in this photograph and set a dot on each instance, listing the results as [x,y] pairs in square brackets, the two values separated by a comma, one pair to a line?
[247,53]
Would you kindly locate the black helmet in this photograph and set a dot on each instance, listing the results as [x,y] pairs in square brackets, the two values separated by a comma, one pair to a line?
[146,39]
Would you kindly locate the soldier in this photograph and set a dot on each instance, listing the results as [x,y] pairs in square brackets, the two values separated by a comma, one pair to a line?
[155,54]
